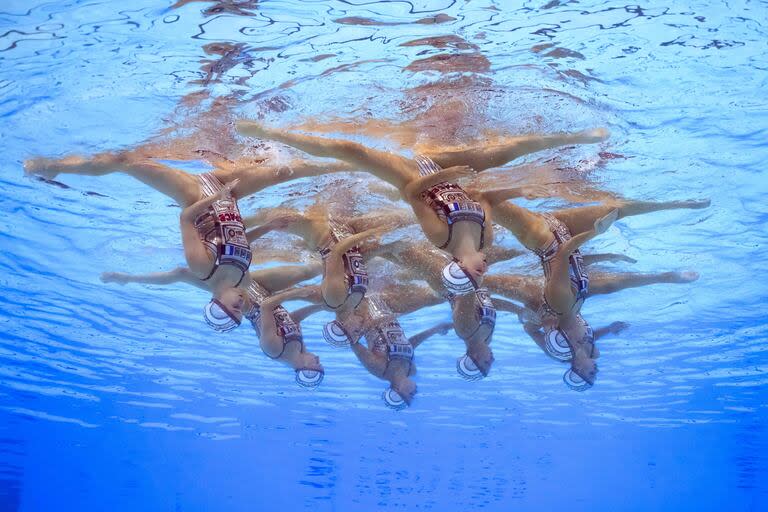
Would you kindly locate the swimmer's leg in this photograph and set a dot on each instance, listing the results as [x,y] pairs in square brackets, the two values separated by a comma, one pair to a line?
[530,229]
[177,275]
[394,169]
[581,219]
[487,157]
[254,179]
[601,284]
[179,185]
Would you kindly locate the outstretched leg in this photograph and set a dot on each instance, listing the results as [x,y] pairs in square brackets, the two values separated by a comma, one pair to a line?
[253,179]
[582,219]
[601,284]
[394,169]
[487,157]
[177,184]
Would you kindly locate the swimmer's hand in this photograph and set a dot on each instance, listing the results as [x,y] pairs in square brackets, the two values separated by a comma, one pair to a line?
[444,327]
[617,327]
[226,190]
[114,277]
[603,223]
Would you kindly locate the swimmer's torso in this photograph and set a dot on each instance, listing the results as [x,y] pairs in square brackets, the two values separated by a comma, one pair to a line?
[287,329]
[222,232]
[374,321]
[474,315]
[452,205]
[562,298]
[355,272]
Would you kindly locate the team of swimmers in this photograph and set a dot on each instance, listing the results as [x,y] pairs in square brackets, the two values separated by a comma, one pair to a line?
[449,264]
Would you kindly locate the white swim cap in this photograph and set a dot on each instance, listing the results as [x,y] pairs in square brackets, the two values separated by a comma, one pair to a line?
[468,369]
[557,346]
[309,378]
[335,335]
[456,280]
[218,316]
[575,382]
[393,399]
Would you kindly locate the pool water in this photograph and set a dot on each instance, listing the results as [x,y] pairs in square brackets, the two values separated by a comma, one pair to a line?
[120,398]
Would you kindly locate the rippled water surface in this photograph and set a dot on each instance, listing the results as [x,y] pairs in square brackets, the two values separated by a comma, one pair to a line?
[118,398]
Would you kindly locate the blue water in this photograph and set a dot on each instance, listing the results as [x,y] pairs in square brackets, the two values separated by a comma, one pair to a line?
[119,398]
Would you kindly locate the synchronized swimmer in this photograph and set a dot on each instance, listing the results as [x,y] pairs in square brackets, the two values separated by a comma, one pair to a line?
[457,223]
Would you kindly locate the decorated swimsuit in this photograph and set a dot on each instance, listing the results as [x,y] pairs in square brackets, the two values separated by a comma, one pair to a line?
[221,229]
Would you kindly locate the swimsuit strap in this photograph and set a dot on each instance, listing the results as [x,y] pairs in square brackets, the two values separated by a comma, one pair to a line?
[426,165]
[209,184]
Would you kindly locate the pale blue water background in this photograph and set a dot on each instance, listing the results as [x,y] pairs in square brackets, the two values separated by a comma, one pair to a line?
[121,399]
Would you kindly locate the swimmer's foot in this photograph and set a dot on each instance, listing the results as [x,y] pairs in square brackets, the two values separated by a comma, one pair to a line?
[683,277]
[251,129]
[49,168]
[695,204]
[591,136]
[114,277]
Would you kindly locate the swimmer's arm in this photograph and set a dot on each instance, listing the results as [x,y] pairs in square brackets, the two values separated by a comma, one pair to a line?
[373,364]
[497,254]
[590,259]
[614,328]
[193,211]
[500,195]
[276,221]
[419,185]
[412,300]
[505,305]
[279,278]
[307,293]
[419,338]
[255,233]
[302,314]
[534,331]
[177,275]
